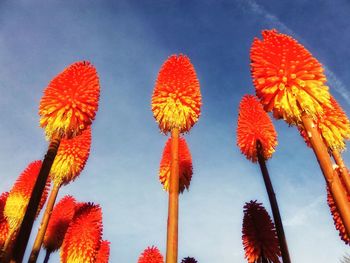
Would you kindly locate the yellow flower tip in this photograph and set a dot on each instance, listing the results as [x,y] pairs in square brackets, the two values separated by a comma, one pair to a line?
[287,78]
[71,158]
[176,99]
[333,125]
[17,201]
[4,226]
[185,166]
[70,101]
[255,125]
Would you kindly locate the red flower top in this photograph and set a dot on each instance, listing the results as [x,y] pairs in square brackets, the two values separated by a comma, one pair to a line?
[61,216]
[71,158]
[103,252]
[259,234]
[176,99]
[4,227]
[338,222]
[333,125]
[83,237]
[18,199]
[185,166]
[255,125]
[151,255]
[70,101]
[287,78]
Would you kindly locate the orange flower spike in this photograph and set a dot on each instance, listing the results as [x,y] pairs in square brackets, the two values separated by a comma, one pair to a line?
[71,158]
[61,216]
[287,78]
[176,99]
[103,252]
[83,237]
[333,125]
[255,125]
[151,255]
[185,166]
[338,222]
[19,195]
[70,101]
[4,227]
[259,234]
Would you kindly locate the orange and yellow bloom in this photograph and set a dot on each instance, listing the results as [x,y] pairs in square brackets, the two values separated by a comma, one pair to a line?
[4,227]
[185,166]
[70,101]
[176,99]
[18,198]
[255,125]
[83,237]
[287,78]
[71,157]
[333,125]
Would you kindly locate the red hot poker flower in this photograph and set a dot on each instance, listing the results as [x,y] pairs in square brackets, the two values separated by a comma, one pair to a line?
[176,99]
[83,236]
[287,78]
[71,158]
[189,260]
[259,234]
[70,101]
[103,252]
[338,222]
[61,216]
[255,125]
[151,255]
[17,201]
[185,166]
[333,125]
[4,227]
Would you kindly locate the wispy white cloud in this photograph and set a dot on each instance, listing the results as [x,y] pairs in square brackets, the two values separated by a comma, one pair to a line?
[334,81]
[303,215]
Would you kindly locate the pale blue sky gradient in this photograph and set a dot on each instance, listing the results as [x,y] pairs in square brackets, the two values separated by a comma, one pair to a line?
[128,41]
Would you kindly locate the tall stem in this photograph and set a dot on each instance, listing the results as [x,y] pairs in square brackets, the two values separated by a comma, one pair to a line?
[47,256]
[342,168]
[33,205]
[173,209]
[274,206]
[331,175]
[43,226]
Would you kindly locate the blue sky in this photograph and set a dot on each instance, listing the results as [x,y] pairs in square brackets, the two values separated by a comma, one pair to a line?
[128,41]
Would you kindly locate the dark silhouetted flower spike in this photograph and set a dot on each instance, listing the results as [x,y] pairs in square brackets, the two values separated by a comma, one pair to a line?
[189,260]
[259,234]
